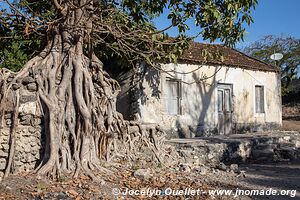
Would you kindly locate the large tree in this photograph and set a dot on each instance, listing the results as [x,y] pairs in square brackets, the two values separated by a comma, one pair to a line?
[288,46]
[77,96]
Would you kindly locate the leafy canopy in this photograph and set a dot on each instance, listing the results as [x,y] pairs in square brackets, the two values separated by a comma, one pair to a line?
[289,64]
[288,46]
[123,29]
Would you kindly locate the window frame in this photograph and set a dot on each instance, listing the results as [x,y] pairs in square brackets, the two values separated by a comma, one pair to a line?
[262,100]
[178,97]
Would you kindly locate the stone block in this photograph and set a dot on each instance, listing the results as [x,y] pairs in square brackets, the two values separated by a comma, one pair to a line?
[27,80]
[288,153]
[32,87]
[8,122]
[28,108]
[8,115]
[184,167]
[31,129]
[37,156]
[203,170]
[234,168]
[4,147]
[30,158]
[287,138]
[3,154]
[2,163]
[26,120]
[5,132]
[259,154]
[18,163]
[16,86]
[27,98]
[4,140]
[37,121]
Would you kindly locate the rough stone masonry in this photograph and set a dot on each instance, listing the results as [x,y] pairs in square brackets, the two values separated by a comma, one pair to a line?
[28,133]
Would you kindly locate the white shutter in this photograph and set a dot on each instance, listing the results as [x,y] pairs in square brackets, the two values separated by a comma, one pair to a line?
[259,99]
[173,97]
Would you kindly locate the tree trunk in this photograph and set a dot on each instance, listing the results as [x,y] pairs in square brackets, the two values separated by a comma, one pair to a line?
[78,98]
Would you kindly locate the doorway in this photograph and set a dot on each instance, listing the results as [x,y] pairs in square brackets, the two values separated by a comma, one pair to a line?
[225,109]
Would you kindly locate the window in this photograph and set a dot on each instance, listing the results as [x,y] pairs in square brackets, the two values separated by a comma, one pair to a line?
[173,96]
[259,99]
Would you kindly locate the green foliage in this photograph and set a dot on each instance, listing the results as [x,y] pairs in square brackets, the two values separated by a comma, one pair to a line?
[128,34]
[217,19]
[289,64]
[13,57]
[18,43]
[16,51]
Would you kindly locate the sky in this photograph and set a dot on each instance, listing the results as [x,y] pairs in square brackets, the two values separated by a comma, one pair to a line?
[271,17]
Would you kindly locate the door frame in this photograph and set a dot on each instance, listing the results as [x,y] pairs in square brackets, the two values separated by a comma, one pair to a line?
[229,115]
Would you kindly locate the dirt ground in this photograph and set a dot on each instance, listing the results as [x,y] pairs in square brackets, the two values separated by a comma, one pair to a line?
[291,125]
[284,176]
[26,186]
[275,176]
[280,176]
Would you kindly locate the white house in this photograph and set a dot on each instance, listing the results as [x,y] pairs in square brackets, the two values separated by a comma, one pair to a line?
[197,97]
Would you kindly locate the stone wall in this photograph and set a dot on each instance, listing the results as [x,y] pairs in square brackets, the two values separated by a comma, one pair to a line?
[28,133]
[291,111]
[267,147]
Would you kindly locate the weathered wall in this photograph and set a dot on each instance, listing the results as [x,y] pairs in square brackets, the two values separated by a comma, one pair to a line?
[199,100]
[28,145]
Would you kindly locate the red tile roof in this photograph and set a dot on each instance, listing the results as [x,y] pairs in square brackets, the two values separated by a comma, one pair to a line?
[231,57]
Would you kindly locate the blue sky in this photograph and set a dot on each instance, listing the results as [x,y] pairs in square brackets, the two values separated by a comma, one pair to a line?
[271,17]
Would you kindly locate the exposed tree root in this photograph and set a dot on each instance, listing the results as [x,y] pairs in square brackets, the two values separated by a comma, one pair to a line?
[12,141]
[81,124]
[77,99]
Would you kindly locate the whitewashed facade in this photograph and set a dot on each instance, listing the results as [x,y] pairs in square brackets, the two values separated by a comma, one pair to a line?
[196,110]
[191,100]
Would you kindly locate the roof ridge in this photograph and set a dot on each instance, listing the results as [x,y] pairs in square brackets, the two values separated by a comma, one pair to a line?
[232,57]
[254,58]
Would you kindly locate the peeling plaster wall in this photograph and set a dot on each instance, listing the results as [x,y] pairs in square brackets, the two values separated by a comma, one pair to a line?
[199,100]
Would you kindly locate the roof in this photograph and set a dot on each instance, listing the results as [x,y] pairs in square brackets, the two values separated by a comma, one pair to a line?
[231,57]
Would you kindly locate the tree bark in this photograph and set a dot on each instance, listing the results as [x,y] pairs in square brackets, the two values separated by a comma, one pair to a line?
[78,99]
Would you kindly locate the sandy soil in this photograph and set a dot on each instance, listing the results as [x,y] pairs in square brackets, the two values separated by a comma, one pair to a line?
[278,176]
[284,176]
[291,125]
